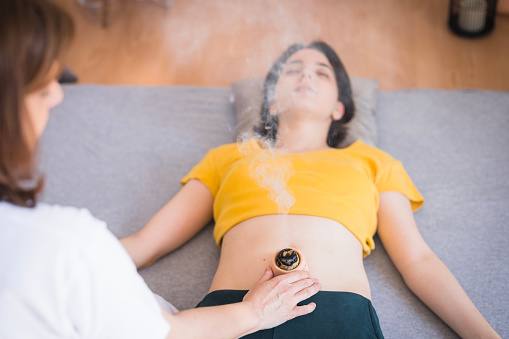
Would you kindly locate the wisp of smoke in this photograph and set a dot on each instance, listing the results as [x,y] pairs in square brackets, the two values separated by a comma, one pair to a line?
[271,172]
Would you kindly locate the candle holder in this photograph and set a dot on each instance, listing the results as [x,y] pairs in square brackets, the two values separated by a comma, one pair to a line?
[288,260]
[472,18]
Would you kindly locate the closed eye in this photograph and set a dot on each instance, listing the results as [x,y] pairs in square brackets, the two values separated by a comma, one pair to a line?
[291,71]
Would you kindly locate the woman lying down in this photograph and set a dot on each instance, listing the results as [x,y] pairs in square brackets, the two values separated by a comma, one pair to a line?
[335,199]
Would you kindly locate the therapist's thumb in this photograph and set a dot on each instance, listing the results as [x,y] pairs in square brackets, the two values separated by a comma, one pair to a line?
[267,275]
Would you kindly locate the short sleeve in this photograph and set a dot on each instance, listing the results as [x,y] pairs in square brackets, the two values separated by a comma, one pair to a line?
[205,171]
[392,176]
[107,298]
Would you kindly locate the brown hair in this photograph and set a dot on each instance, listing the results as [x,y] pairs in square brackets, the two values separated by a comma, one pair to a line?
[34,35]
[337,131]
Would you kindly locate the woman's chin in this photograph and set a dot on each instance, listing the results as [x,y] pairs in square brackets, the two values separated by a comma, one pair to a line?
[302,109]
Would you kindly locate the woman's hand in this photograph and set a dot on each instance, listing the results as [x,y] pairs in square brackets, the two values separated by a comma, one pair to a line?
[274,300]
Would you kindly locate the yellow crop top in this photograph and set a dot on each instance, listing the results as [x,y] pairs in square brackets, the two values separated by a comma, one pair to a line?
[339,184]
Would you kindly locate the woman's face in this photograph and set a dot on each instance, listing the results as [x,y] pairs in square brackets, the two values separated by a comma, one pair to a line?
[307,84]
[40,102]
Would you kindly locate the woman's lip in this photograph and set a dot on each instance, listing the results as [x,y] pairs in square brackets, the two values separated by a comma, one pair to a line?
[304,88]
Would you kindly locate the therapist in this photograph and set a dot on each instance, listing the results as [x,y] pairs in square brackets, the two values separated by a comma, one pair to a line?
[62,273]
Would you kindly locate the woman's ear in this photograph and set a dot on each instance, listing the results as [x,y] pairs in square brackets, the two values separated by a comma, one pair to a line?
[338,111]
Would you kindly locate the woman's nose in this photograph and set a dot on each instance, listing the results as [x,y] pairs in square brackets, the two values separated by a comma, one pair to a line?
[306,73]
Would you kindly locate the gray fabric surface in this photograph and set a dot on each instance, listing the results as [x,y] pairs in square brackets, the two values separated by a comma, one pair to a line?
[120,152]
[454,144]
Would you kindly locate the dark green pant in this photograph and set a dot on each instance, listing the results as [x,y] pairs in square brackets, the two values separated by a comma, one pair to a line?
[337,315]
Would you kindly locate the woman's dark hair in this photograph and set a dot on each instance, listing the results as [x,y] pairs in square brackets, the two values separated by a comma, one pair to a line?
[33,36]
[337,132]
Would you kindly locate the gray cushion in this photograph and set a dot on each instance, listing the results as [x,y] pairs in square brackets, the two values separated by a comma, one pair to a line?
[120,151]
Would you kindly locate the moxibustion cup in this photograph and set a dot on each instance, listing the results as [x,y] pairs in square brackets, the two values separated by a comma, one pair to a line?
[288,260]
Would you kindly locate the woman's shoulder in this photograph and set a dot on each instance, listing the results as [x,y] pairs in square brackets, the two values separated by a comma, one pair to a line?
[60,213]
[368,152]
[226,148]
[230,152]
[46,234]
[43,210]
[238,147]
[53,220]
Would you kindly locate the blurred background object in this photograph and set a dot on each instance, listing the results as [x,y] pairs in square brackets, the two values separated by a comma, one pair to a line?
[100,11]
[472,18]
[67,77]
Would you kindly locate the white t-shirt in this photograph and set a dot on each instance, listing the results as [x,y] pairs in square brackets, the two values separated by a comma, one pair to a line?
[64,275]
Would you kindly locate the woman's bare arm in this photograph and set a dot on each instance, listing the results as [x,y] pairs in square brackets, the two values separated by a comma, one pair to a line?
[423,272]
[178,221]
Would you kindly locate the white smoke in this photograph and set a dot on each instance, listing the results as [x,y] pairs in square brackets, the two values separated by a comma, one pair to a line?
[250,34]
[271,171]
[254,32]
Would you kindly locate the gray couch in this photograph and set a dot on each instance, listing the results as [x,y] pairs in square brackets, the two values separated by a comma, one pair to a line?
[120,152]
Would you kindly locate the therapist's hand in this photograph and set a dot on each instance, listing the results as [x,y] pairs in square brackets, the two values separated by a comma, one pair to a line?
[274,300]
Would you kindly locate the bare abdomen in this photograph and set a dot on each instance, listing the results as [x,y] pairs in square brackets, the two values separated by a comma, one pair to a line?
[332,253]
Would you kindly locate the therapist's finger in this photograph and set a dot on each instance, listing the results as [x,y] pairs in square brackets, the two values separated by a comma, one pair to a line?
[304,292]
[266,276]
[301,310]
[292,277]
